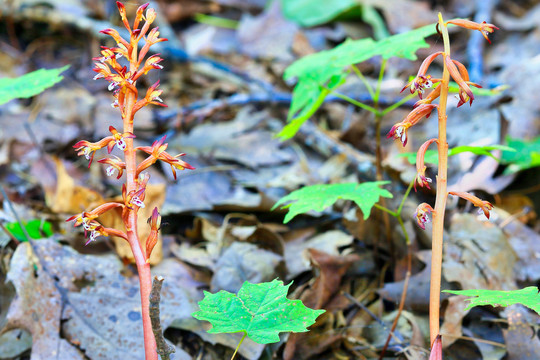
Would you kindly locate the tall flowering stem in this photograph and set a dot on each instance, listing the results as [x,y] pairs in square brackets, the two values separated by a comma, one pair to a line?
[440,201]
[423,108]
[122,66]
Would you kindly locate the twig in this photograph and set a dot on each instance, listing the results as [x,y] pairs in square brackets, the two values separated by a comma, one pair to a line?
[401,301]
[396,334]
[163,349]
[206,108]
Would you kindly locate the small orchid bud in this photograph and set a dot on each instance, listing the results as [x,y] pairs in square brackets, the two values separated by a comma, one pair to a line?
[116,36]
[483,206]
[155,222]
[123,15]
[150,16]
[422,215]
[139,15]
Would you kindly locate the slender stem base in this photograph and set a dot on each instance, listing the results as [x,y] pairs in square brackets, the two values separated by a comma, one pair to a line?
[145,279]
[440,202]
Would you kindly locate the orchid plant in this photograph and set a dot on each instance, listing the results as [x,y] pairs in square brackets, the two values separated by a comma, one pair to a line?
[123,83]
[423,108]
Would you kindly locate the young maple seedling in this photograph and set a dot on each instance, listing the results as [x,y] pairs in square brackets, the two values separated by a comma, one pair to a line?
[123,81]
[423,108]
[259,311]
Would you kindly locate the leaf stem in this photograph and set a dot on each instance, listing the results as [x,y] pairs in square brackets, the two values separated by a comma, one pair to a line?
[398,104]
[379,81]
[405,197]
[385,209]
[238,347]
[364,80]
[352,101]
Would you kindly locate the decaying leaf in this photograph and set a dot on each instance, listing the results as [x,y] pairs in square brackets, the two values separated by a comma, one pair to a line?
[469,257]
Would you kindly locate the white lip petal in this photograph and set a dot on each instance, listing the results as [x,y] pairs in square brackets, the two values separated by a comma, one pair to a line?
[121,144]
[137,201]
[110,170]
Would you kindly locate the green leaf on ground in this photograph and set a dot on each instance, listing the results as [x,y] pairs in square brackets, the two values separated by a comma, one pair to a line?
[309,13]
[327,70]
[29,84]
[319,197]
[525,154]
[261,311]
[36,229]
[431,155]
[528,297]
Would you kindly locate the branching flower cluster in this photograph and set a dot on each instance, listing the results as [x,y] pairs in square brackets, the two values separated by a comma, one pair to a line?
[122,81]
[122,66]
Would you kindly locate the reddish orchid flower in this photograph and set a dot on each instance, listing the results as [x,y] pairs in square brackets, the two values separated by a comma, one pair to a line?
[399,130]
[422,215]
[157,152]
[483,27]
[483,206]
[421,178]
[88,149]
[119,139]
[115,164]
[422,81]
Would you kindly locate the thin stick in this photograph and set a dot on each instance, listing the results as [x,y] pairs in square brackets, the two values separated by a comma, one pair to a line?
[396,335]
[163,349]
[401,301]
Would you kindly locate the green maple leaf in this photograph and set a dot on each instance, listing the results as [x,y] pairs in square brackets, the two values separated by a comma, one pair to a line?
[261,311]
[29,84]
[327,70]
[528,297]
[526,154]
[319,197]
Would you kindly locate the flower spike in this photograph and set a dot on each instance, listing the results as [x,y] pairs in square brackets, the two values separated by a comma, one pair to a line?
[483,206]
